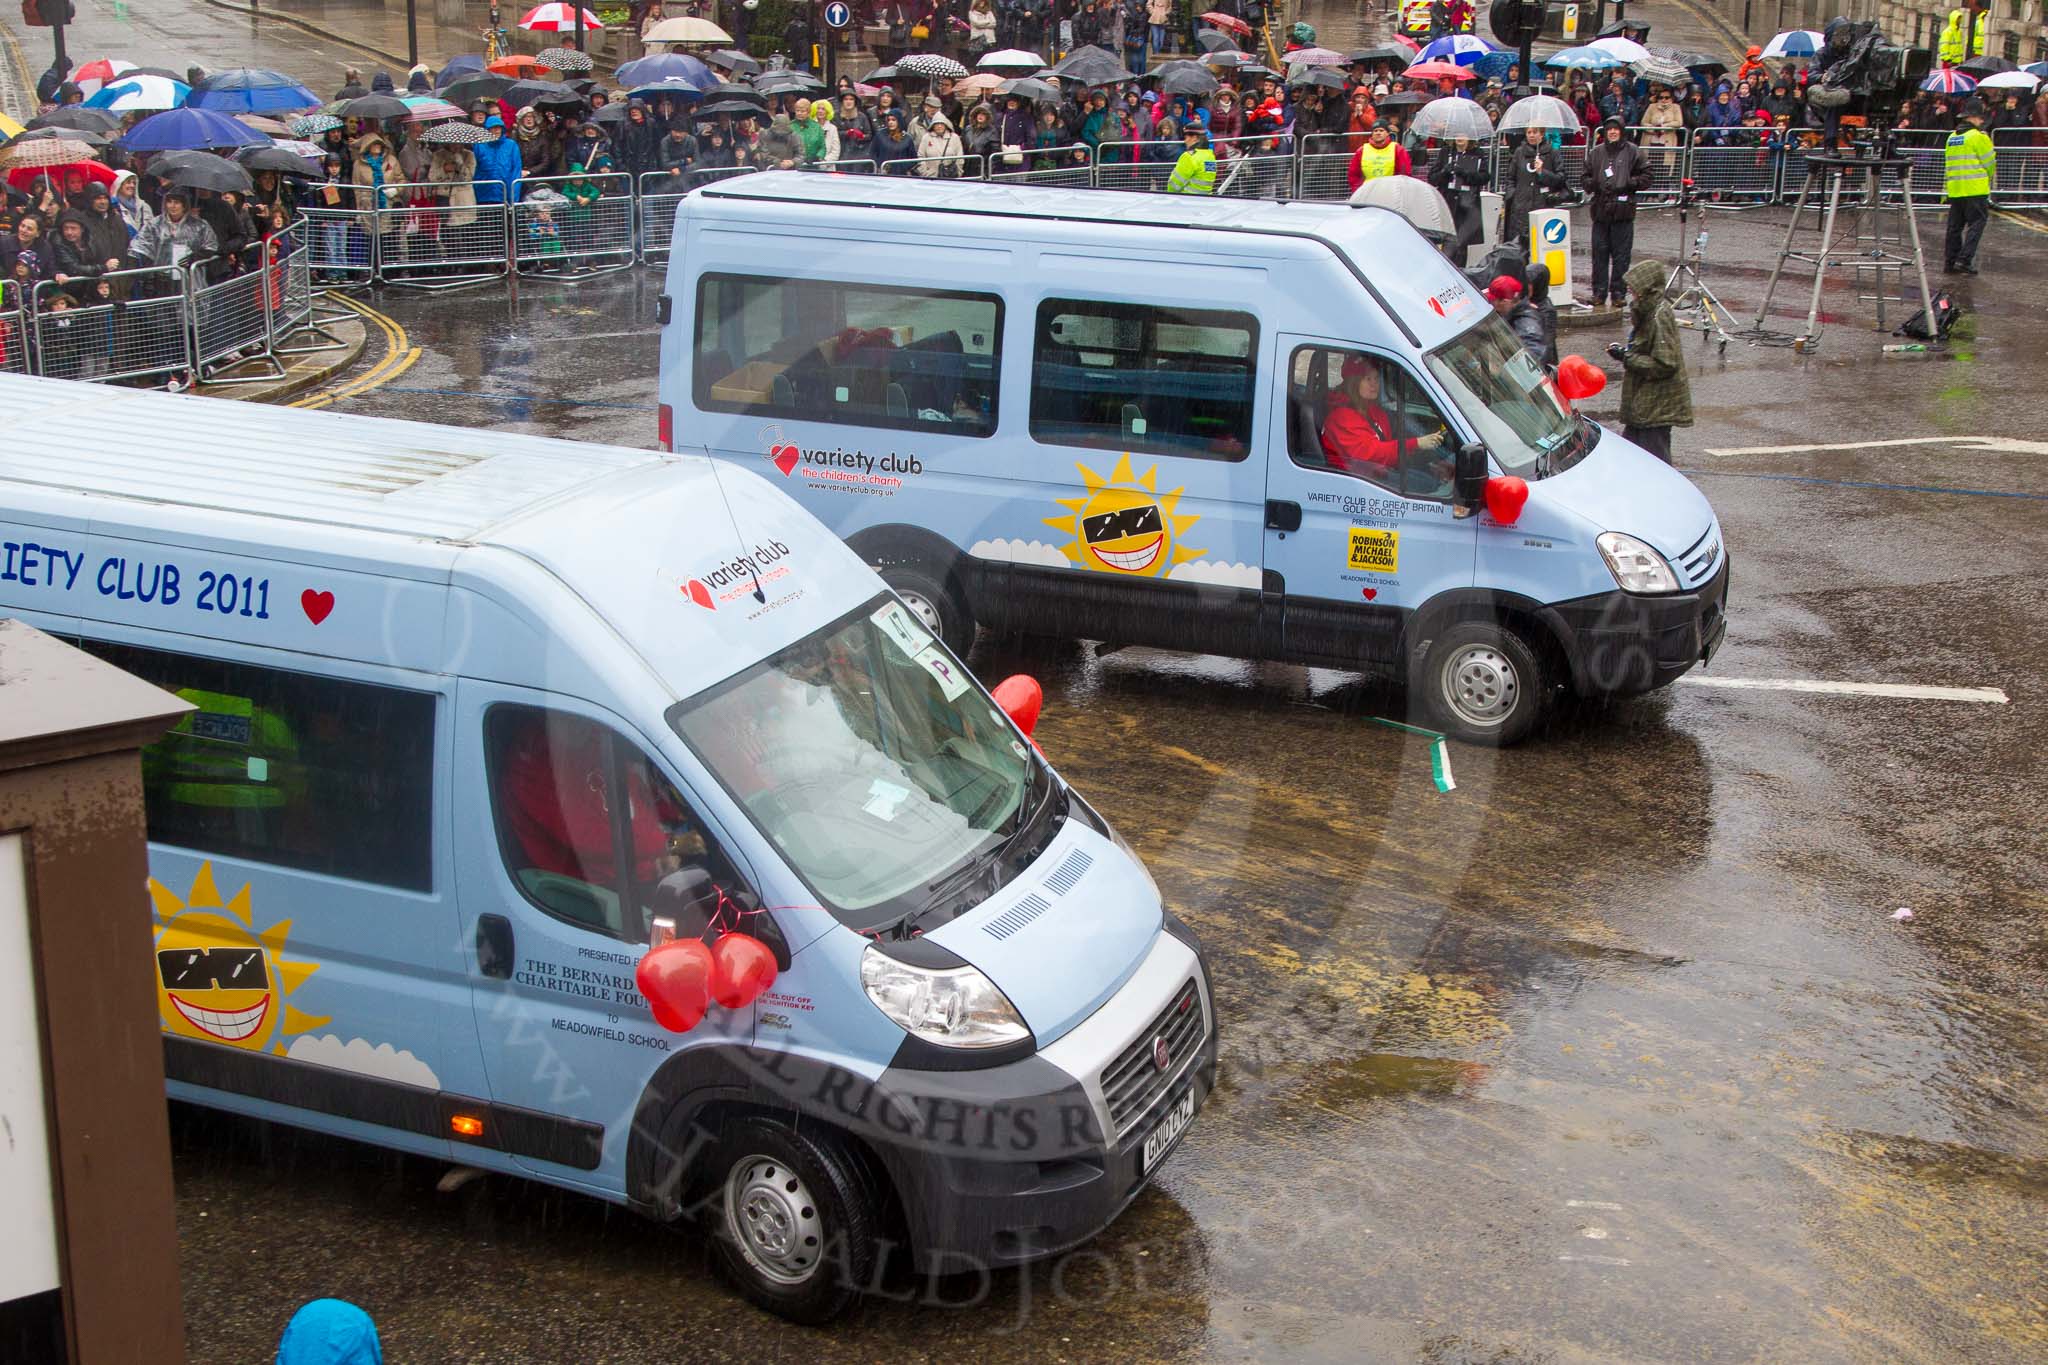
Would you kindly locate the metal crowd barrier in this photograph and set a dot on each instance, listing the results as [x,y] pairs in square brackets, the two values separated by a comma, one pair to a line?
[231,318]
[1071,166]
[1323,166]
[2022,180]
[843,166]
[14,340]
[961,167]
[444,246]
[554,232]
[342,248]
[143,331]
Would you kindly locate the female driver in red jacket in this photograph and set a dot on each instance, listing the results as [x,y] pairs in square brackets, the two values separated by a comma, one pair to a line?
[1358,434]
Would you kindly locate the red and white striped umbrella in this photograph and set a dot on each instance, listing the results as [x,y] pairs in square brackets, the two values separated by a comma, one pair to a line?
[90,77]
[557,18]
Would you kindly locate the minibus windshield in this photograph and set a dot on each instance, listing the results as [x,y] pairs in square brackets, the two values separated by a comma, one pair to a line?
[1510,401]
[870,759]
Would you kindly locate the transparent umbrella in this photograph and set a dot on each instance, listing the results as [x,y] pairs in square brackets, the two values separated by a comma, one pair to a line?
[1416,200]
[1539,111]
[1453,117]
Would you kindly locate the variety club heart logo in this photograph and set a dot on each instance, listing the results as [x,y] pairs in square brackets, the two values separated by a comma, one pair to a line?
[316,605]
[1370,593]
[700,594]
[785,457]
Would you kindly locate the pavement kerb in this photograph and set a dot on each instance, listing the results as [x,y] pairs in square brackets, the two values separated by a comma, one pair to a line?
[310,372]
[271,16]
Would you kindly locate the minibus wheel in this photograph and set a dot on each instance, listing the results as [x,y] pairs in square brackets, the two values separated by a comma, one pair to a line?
[798,1224]
[1483,683]
[937,605]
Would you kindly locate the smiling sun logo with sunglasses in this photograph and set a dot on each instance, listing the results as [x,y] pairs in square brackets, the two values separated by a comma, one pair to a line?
[218,980]
[1123,524]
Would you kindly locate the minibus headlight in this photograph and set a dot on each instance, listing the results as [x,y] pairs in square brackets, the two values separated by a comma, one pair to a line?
[1636,567]
[954,1006]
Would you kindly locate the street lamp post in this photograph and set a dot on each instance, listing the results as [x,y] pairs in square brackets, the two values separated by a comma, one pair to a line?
[412,32]
[579,25]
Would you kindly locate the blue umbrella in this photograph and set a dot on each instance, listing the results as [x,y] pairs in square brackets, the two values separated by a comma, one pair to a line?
[670,89]
[1584,59]
[667,66]
[468,64]
[2037,69]
[187,130]
[250,90]
[1494,65]
[1461,48]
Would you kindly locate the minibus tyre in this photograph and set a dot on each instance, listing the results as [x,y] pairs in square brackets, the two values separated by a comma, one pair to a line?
[937,603]
[1483,683]
[779,1189]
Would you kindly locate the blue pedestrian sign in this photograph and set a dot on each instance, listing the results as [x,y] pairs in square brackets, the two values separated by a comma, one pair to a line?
[838,14]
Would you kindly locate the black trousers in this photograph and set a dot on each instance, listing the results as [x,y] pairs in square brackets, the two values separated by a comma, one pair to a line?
[1613,246]
[1966,219]
[1656,440]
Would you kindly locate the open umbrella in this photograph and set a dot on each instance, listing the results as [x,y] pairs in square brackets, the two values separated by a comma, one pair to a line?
[95,74]
[1988,64]
[1089,66]
[610,115]
[979,84]
[1662,71]
[554,97]
[455,68]
[1228,60]
[565,59]
[1453,116]
[200,171]
[479,85]
[21,177]
[378,107]
[1386,52]
[688,29]
[254,159]
[558,18]
[1437,71]
[727,59]
[1948,81]
[1011,59]
[429,108]
[1320,76]
[1462,49]
[1633,25]
[1628,49]
[1032,89]
[9,128]
[667,66]
[1494,66]
[519,66]
[672,89]
[250,90]
[1313,56]
[1414,199]
[1229,21]
[787,82]
[90,139]
[883,75]
[312,125]
[189,129]
[1797,42]
[456,134]
[134,93]
[1584,59]
[1539,111]
[37,153]
[269,127]
[2010,80]
[1215,40]
[2032,69]
[1405,99]
[930,65]
[1690,59]
[1183,78]
[78,116]
[712,108]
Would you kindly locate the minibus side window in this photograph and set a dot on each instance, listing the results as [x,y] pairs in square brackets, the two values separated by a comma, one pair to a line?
[1132,377]
[858,354]
[1366,417]
[294,769]
[588,827]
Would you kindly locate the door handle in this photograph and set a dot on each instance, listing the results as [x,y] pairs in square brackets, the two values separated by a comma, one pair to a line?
[1282,515]
[494,949]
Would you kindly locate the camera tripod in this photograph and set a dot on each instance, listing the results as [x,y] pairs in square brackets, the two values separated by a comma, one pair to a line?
[1695,304]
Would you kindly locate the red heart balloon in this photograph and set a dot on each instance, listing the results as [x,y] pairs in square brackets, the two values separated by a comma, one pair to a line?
[743,969]
[1505,495]
[1021,698]
[676,980]
[1579,378]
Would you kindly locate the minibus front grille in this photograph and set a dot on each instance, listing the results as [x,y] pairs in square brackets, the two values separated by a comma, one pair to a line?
[1135,1082]
[1697,563]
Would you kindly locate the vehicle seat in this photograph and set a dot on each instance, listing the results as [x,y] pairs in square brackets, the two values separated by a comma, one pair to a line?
[782,393]
[897,402]
[1305,432]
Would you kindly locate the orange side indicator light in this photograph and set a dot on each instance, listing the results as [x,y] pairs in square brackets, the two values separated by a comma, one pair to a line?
[466,1125]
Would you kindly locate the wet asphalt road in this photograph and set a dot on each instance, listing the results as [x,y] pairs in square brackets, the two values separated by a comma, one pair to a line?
[1613,1053]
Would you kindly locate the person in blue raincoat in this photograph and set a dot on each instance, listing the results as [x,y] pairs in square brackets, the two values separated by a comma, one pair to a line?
[498,166]
[330,1332]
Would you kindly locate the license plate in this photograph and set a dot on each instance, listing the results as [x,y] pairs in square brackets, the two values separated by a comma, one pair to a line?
[1161,1139]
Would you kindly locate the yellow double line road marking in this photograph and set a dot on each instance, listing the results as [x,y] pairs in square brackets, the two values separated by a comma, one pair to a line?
[2017,221]
[399,355]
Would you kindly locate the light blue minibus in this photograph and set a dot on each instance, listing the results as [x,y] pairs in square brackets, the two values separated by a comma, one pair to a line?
[480,717]
[1241,427]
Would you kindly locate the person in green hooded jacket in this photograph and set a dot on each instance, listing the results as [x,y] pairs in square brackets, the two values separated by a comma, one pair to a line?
[1655,393]
[809,135]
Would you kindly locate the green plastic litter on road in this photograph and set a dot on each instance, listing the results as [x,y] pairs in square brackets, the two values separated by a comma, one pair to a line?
[1439,752]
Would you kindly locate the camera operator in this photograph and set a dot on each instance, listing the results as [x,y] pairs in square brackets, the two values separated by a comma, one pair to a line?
[1970,166]
[1615,174]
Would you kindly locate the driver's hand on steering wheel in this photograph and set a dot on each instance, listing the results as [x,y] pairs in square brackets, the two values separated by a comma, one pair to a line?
[1433,441]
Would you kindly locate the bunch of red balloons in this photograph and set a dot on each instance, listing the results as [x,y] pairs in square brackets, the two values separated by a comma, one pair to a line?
[681,980]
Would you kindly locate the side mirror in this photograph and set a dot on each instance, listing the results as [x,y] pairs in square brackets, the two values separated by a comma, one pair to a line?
[1469,481]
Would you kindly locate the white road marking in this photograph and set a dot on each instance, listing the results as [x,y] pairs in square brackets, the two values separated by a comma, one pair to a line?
[1592,1204]
[2000,444]
[1909,691]
[1593,1260]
